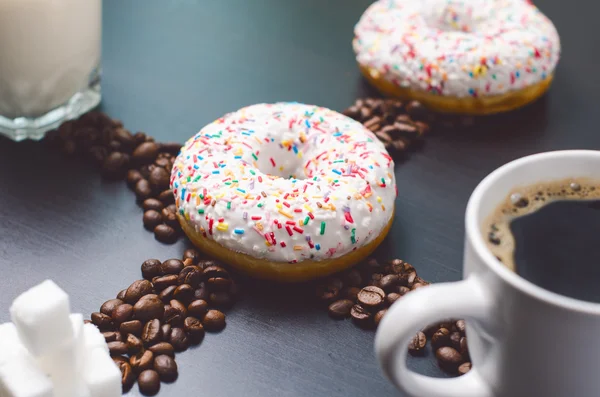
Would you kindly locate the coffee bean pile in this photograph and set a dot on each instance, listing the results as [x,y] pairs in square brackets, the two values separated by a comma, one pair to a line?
[364,294]
[136,158]
[397,124]
[163,314]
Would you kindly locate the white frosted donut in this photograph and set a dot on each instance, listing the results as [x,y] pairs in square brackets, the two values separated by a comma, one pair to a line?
[457,48]
[285,182]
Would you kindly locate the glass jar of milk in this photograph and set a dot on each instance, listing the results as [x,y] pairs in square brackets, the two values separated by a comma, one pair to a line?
[49,63]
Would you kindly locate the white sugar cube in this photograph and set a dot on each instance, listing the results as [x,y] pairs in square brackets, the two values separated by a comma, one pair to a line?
[10,344]
[101,374]
[73,387]
[41,316]
[92,338]
[21,377]
[65,361]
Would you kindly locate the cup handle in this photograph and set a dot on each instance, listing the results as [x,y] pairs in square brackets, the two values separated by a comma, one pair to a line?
[467,298]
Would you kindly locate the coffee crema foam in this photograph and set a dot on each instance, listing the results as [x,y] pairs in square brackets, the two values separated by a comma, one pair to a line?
[526,200]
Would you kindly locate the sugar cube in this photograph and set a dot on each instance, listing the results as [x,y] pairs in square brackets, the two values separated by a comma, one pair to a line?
[41,316]
[92,338]
[10,344]
[101,374]
[21,377]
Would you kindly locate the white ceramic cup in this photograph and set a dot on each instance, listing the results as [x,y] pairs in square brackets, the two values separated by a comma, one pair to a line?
[524,341]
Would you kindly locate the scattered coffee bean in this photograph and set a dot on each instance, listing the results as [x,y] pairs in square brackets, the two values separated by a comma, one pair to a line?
[191,254]
[214,321]
[166,332]
[184,293]
[172,266]
[464,368]
[392,297]
[353,278]
[133,177]
[455,340]
[371,297]
[179,307]
[117,348]
[167,294]
[417,344]
[136,290]
[202,292]
[152,204]
[152,332]
[108,306]
[145,153]
[440,338]
[378,316]
[122,313]
[115,165]
[464,348]
[218,283]
[341,308]
[159,179]
[194,329]
[148,308]
[131,327]
[178,339]
[142,189]
[461,327]
[403,290]
[162,282]
[197,308]
[171,147]
[111,336]
[166,368]
[191,275]
[448,358]
[134,344]
[142,361]
[167,197]
[151,219]
[121,294]
[127,376]
[162,348]
[388,282]
[351,293]
[102,321]
[221,299]
[330,291]
[170,217]
[361,316]
[172,316]
[149,382]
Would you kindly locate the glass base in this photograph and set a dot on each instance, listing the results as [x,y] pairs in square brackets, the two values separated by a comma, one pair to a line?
[22,128]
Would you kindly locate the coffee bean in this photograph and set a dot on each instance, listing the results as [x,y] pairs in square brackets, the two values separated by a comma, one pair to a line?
[152,204]
[134,344]
[124,137]
[191,254]
[330,290]
[214,271]
[152,332]
[142,361]
[166,367]
[151,268]
[403,290]
[464,348]
[127,376]
[350,293]
[169,217]
[340,308]
[214,321]
[197,308]
[162,348]
[179,339]
[171,147]
[455,340]
[139,138]
[353,278]
[122,313]
[190,275]
[120,359]
[145,153]
[149,382]
[416,110]
[464,368]
[373,124]
[115,165]
[448,358]
[179,307]
[371,266]
[352,112]
[111,336]
[172,316]
[194,329]
[167,294]
[86,321]
[378,316]
[202,292]
[376,279]
[166,197]
[417,344]
[163,282]
[388,282]
[172,208]
[131,327]
[151,219]
[133,177]
[184,293]
[396,266]
[407,279]
[440,338]
[166,332]
[108,306]
[136,290]
[461,327]
[221,299]
[172,266]
[117,347]
[418,285]
[361,316]
[218,283]
[392,297]
[142,189]
[148,308]
[97,155]
[102,321]
[121,294]
[371,297]
[159,179]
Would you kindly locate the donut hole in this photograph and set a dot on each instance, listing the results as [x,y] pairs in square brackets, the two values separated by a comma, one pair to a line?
[457,15]
[281,159]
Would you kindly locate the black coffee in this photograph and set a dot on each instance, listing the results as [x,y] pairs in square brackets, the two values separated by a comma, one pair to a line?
[549,235]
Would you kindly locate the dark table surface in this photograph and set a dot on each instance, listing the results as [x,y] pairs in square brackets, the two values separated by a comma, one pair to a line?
[172,66]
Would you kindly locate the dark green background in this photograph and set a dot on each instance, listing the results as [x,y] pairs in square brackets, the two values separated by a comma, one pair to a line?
[172,66]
